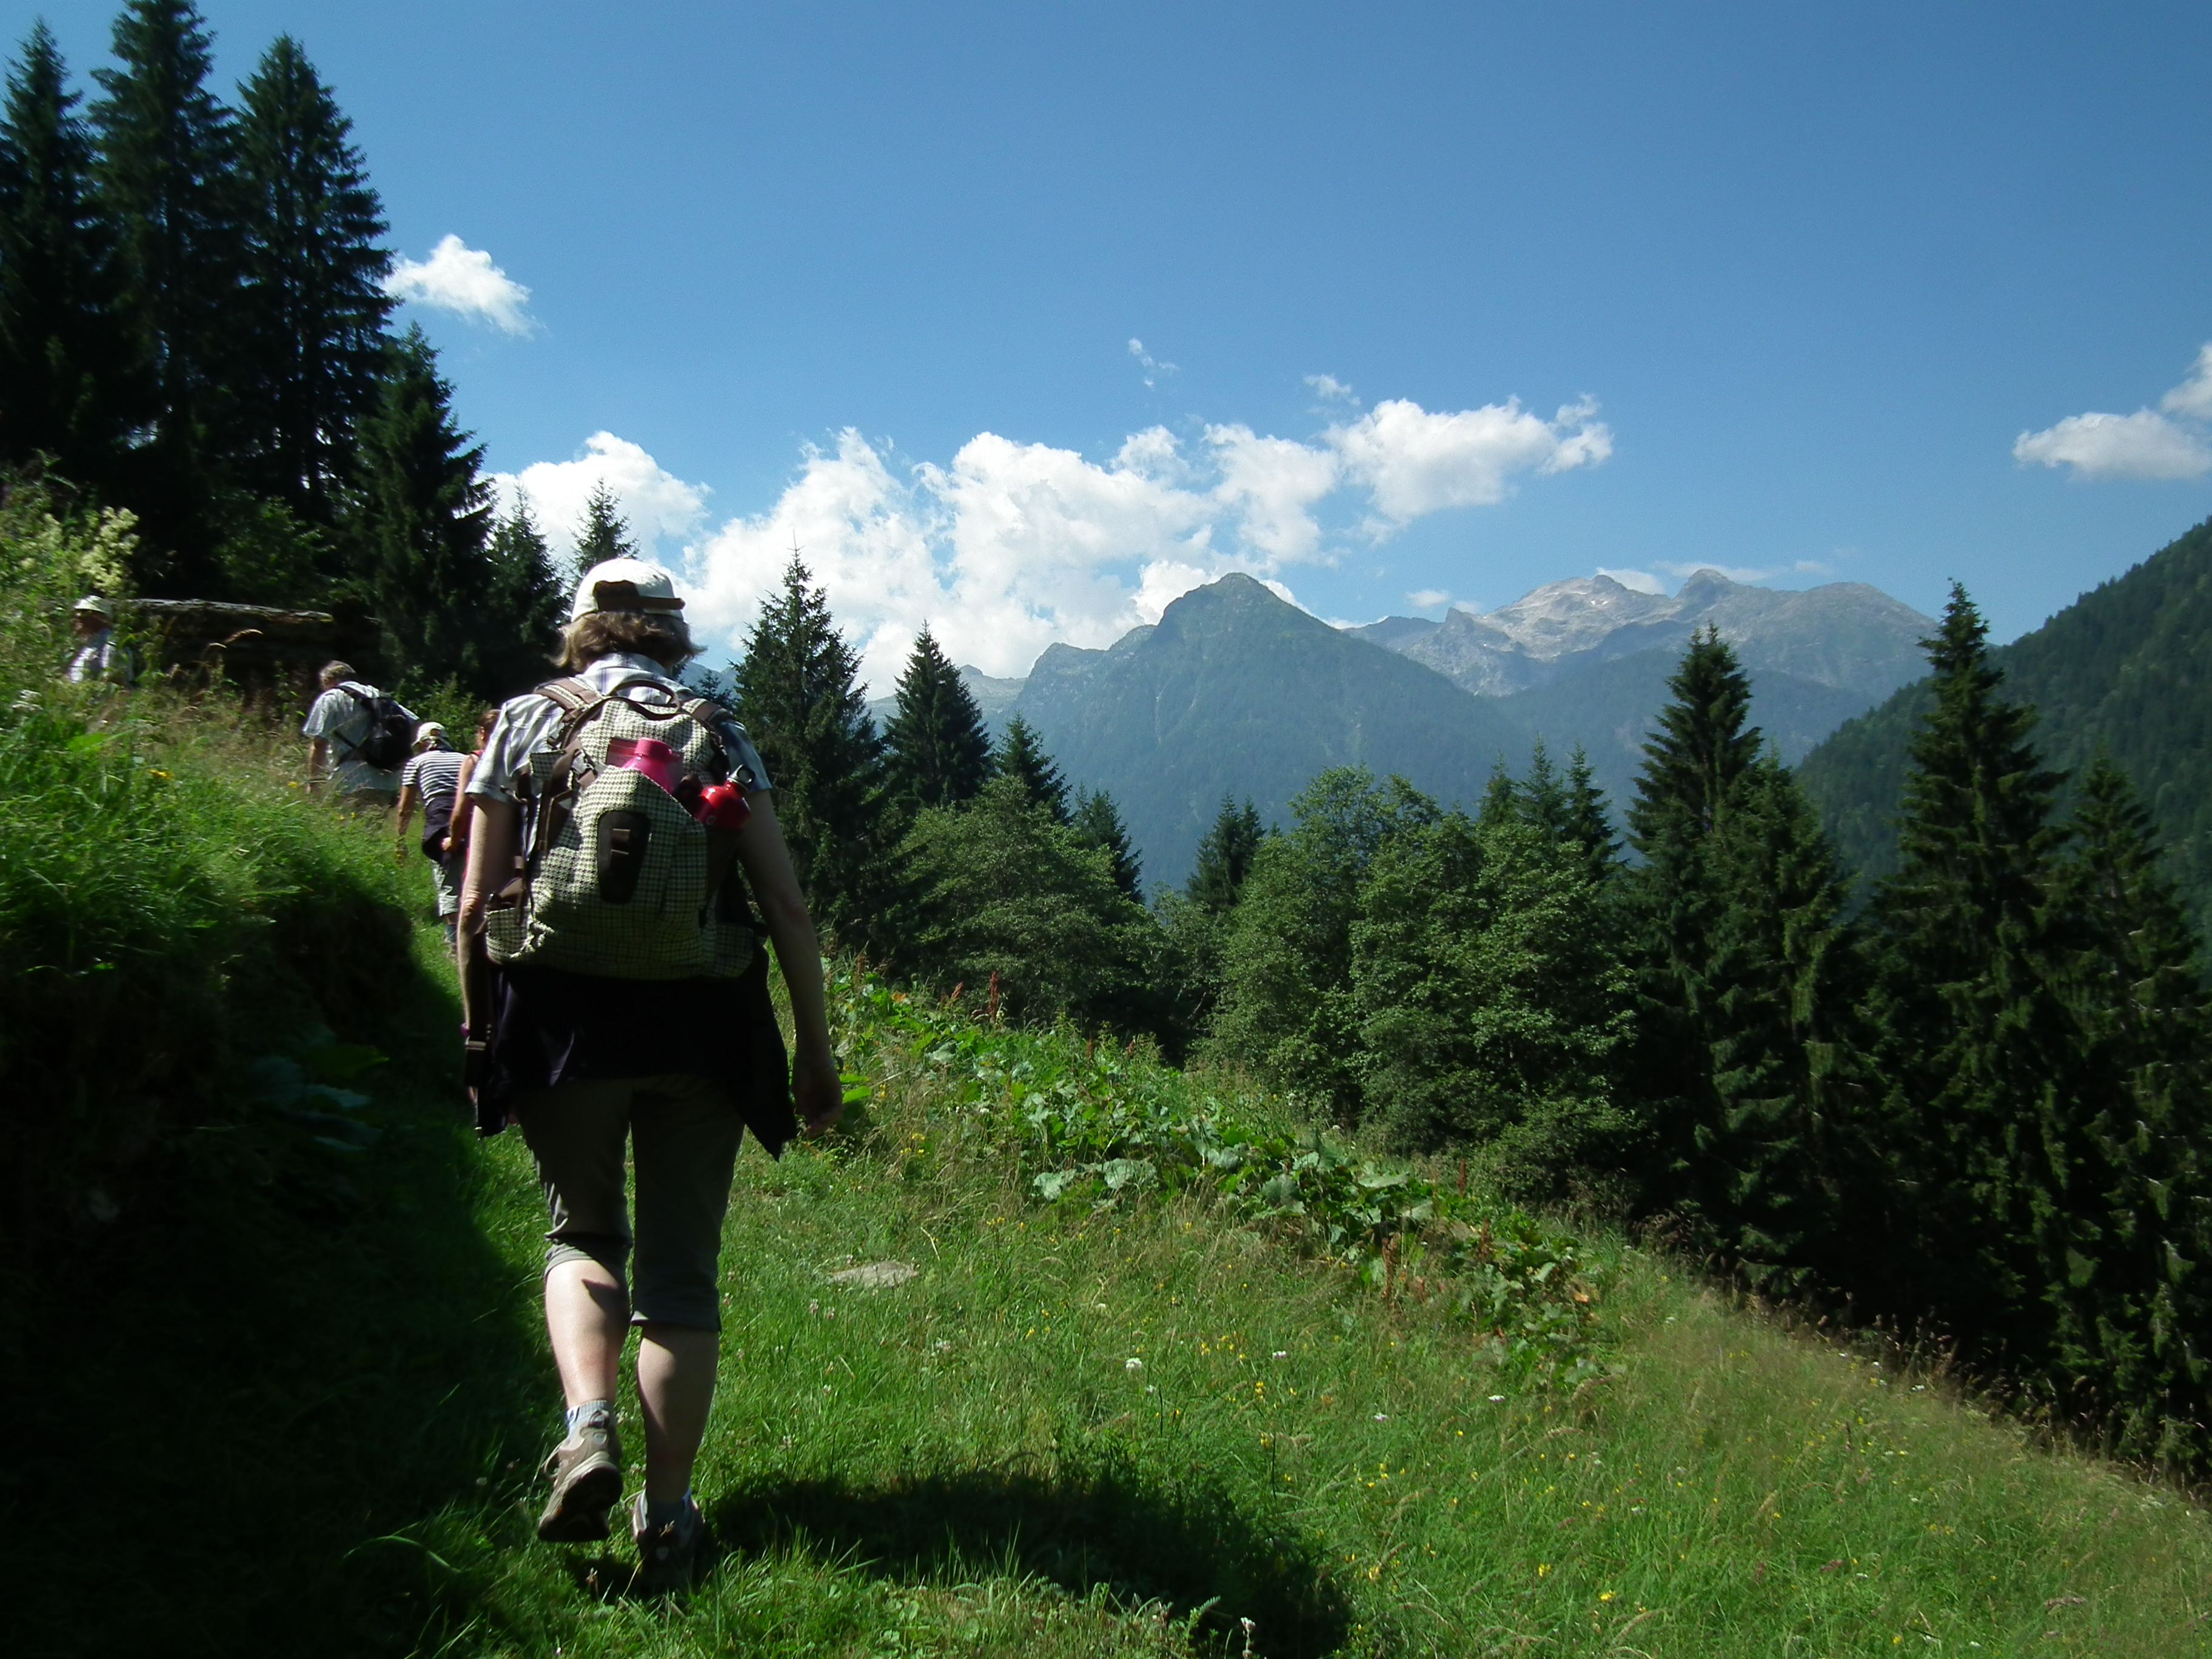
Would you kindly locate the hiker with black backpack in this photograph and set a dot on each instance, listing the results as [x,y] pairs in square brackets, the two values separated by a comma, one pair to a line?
[359,736]
[431,780]
[620,822]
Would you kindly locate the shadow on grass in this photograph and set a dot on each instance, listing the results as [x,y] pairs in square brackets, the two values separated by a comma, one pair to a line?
[237,1399]
[1186,1544]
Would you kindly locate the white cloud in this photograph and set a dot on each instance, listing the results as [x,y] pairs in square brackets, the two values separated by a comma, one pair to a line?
[1428,599]
[2193,397]
[2143,445]
[463,281]
[1154,369]
[1642,581]
[1735,573]
[1329,389]
[1416,462]
[1272,484]
[1012,547]
[659,505]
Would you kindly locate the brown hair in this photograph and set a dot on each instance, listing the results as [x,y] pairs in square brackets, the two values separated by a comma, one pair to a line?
[598,633]
[338,671]
[485,721]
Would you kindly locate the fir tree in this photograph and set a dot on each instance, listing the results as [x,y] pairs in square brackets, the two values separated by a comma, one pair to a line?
[939,753]
[425,514]
[797,691]
[1770,1169]
[2132,1306]
[1671,905]
[1701,748]
[1224,857]
[1098,823]
[1021,756]
[1975,1050]
[1585,824]
[316,347]
[71,380]
[603,535]
[525,604]
[167,172]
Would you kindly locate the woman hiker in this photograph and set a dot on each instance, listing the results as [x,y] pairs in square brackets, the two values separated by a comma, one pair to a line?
[431,780]
[583,1059]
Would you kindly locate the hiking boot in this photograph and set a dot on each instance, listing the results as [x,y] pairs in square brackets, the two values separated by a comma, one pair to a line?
[668,1554]
[586,1470]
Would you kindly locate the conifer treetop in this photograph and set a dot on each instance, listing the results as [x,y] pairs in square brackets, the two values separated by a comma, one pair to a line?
[940,754]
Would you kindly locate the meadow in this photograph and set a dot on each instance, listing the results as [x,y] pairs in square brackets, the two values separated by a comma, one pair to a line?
[1175,1409]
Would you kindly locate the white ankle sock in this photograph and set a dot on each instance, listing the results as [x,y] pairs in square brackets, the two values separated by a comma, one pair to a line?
[580,1414]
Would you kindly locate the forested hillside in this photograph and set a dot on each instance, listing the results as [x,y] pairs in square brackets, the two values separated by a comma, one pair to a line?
[194,331]
[2126,670]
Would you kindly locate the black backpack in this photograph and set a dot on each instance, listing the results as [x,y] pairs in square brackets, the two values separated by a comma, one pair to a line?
[391,737]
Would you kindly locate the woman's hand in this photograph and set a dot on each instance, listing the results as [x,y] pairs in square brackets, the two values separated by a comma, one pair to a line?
[820,1095]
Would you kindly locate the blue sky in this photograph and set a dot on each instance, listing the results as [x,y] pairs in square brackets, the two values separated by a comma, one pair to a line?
[1776,289]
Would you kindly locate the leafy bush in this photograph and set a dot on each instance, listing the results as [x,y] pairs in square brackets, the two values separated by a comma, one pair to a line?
[1086,1122]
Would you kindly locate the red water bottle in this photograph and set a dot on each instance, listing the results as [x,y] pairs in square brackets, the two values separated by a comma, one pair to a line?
[722,807]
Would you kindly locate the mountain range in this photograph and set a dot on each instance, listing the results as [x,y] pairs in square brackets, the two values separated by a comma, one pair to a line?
[1236,691]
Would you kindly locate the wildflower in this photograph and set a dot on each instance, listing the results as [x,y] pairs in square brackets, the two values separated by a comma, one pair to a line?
[1496,1398]
[1133,1364]
[1382,1417]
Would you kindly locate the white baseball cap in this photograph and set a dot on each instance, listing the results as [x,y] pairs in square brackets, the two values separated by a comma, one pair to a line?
[427,731]
[625,585]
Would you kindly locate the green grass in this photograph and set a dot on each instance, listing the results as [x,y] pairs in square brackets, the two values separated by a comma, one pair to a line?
[300,1416]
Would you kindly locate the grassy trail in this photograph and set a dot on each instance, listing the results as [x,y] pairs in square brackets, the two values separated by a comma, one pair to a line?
[1072,1432]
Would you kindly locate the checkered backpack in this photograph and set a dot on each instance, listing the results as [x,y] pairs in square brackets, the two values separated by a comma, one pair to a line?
[619,879]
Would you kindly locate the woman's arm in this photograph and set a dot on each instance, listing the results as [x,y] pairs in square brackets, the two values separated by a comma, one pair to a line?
[491,854]
[408,796]
[457,832]
[775,886]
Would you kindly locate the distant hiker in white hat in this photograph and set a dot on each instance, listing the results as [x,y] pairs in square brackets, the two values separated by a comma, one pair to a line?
[92,619]
[613,810]
[358,737]
[431,780]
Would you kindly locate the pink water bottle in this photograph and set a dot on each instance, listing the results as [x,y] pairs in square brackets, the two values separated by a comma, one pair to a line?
[649,756]
[722,807]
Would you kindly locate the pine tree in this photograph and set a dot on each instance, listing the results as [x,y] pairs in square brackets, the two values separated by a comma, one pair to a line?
[1224,857]
[1021,756]
[167,171]
[798,692]
[939,753]
[1701,748]
[1671,906]
[316,346]
[71,384]
[524,606]
[1586,824]
[604,534]
[1769,1170]
[2133,1306]
[1098,823]
[1977,1054]
[425,513]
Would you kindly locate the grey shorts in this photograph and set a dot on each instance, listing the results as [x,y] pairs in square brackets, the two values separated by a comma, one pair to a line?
[683,1133]
[447,886]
